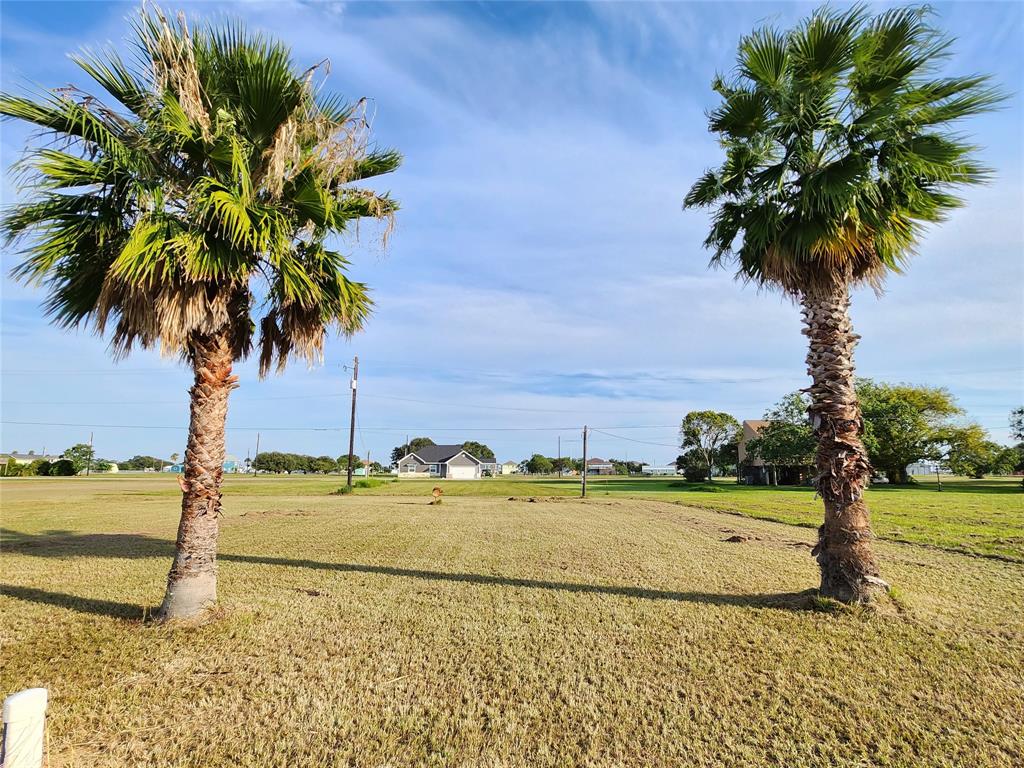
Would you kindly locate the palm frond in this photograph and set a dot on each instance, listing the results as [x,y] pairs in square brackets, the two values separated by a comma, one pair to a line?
[223,164]
[838,148]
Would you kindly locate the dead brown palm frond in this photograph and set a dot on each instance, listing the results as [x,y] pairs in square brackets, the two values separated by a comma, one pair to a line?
[172,58]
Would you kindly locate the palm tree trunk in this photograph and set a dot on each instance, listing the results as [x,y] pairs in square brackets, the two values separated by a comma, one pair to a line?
[849,571]
[192,582]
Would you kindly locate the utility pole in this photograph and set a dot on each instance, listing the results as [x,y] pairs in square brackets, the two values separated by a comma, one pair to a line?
[88,462]
[366,473]
[583,493]
[257,456]
[352,422]
[559,455]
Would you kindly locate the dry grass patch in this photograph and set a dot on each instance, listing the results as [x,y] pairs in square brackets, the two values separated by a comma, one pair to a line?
[374,631]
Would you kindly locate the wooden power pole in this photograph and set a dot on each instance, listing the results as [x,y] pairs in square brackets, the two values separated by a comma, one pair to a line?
[257,456]
[583,492]
[88,461]
[352,422]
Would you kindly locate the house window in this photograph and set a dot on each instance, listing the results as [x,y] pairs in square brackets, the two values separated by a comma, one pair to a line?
[433,469]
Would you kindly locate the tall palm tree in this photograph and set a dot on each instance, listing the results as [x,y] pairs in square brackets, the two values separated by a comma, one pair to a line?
[194,215]
[840,148]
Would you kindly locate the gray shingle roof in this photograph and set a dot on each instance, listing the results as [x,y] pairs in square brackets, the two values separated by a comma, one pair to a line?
[433,454]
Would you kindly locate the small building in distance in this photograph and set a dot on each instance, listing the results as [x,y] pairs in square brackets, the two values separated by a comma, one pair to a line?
[600,467]
[231,464]
[923,467]
[655,471]
[510,468]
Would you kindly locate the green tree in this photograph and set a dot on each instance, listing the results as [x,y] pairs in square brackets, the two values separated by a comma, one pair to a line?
[479,450]
[273,461]
[62,468]
[903,424]
[80,455]
[324,464]
[142,462]
[842,143]
[539,465]
[357,463]
[786,440]
[561,464]
[192,213]
[40,467]
[401,451]
[705,433]
[693,464]
[970,452]
[1017,423]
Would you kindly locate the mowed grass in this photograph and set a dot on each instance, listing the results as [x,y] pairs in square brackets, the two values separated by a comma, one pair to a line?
[982,517]
[373,630]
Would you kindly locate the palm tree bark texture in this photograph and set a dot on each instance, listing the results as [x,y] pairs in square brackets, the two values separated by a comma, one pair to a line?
[849,570]
[192,581]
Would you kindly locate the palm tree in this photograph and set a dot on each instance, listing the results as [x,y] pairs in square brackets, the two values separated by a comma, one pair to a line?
[839,150]
[194,216]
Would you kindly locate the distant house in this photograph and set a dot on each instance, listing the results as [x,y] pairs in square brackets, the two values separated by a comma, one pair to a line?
[510,468]
[651,470]
[445,461]
[231,464]
[926,468]
[489,467]
[25,458]
[752,470]
[600,467]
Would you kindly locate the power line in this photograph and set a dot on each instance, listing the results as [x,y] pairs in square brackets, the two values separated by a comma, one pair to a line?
[633,439]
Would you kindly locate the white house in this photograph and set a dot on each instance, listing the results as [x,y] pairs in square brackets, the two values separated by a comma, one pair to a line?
[510,468]
[648,469]
[447,461]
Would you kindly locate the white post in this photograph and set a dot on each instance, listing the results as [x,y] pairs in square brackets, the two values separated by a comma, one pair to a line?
[24,726]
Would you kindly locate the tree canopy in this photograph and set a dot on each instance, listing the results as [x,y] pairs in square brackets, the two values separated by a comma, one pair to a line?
[411,447]
[706,433]
[199,201]
[786,440]
[841,143]
[903,424]
[479,450]
[81,455]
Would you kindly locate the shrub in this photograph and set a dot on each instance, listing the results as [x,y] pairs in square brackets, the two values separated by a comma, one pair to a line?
[695,474]
[38,467]
[343,491]
[62,468]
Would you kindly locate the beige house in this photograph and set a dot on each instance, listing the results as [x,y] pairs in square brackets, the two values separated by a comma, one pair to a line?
[751,429]
[510,468]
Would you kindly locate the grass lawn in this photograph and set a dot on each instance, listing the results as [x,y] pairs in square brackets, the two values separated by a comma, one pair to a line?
[983,517]
[373,630]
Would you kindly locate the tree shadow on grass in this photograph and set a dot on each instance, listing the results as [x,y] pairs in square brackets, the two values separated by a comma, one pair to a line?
[92,605]
[61,543]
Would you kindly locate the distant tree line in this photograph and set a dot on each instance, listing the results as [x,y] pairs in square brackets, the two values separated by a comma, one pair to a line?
[276,461]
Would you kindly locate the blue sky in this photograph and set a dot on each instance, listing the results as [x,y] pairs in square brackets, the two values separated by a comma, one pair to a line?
[542,274]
